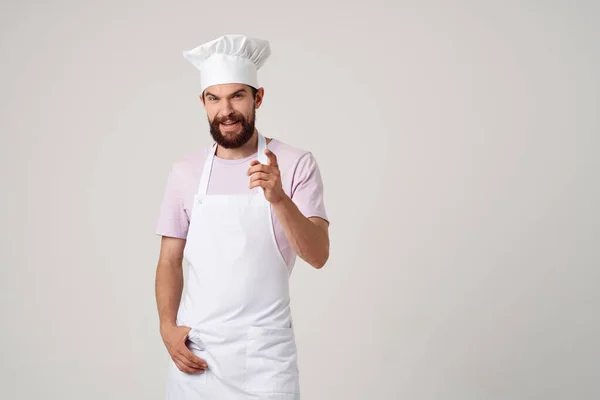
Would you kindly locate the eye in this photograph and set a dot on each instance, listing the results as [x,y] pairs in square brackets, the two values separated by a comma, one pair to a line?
[238,95]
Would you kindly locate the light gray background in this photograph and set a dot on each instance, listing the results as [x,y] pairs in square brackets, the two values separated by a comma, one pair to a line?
[458,143]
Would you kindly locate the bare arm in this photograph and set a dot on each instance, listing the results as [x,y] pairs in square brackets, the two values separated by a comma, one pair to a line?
[309,237]
[169,279]
[169,285]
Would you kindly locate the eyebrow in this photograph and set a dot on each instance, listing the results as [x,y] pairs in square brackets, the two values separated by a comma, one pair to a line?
[233,94]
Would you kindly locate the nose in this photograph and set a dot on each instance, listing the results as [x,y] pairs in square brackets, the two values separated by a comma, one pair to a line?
[227,109]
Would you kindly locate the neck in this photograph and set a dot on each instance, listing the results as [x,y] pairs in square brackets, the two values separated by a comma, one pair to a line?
[246,150]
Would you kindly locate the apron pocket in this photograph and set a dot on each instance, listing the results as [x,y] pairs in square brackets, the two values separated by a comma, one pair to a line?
[271,361]
[195,343]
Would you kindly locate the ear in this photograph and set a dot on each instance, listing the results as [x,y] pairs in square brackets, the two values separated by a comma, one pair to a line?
[259,97]
[202,101]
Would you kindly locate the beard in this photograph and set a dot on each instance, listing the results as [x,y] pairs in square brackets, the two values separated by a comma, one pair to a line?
[233,140]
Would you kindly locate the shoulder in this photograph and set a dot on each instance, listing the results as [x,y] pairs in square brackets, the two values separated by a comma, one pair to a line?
[289,156]
[191,160]
[299,169]
[189,166]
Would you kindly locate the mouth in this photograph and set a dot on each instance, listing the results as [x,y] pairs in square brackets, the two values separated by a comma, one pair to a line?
[229,126]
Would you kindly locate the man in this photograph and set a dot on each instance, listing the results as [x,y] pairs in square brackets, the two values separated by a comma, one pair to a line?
[238,212]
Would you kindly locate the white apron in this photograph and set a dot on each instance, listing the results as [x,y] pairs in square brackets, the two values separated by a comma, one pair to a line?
[237,301]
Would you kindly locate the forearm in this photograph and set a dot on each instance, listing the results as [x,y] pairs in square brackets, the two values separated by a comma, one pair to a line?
[169,286]
[308,240]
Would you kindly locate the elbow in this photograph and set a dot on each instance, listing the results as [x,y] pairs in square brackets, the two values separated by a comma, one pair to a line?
[321,261]
[318,265]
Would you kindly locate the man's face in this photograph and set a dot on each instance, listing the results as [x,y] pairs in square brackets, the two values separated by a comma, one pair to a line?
[231,110]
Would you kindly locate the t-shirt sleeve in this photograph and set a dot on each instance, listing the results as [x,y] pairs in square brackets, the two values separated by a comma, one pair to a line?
[172,219]
[307,188]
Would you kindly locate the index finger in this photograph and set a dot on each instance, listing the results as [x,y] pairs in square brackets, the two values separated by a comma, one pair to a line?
[272,157]
[192,358]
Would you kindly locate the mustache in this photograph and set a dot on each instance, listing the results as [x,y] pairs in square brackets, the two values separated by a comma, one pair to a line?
[235,118]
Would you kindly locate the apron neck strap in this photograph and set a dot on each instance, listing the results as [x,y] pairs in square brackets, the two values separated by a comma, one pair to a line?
[206,171]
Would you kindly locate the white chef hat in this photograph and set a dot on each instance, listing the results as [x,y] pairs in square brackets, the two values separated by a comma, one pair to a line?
[229,59]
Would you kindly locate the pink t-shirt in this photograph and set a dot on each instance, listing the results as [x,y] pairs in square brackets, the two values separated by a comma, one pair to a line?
[300,178]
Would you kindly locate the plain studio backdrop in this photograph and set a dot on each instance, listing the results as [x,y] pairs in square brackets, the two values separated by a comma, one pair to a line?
[458,143]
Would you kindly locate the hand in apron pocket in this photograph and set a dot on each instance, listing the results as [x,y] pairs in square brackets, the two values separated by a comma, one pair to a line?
[196,347]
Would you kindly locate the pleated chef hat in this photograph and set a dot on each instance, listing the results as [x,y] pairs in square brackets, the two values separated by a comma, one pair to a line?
[229,59]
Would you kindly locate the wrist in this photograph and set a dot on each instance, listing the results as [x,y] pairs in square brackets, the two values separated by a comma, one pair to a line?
[282,201]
